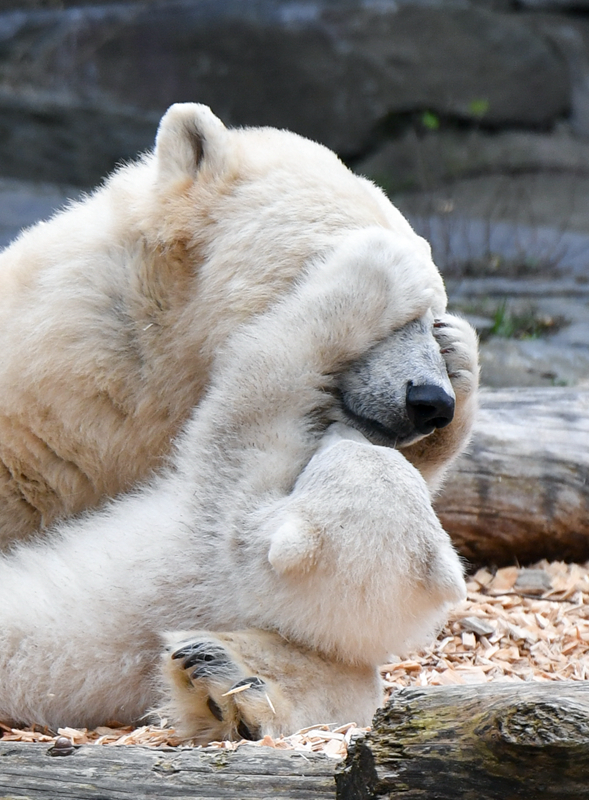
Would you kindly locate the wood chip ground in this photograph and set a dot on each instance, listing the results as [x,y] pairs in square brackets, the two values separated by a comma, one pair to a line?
[516,625]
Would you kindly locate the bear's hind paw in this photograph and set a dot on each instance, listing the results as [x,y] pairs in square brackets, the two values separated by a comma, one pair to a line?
[213,694]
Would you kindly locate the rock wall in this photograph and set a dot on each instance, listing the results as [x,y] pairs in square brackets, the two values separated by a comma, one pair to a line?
[473,114]
[82,85]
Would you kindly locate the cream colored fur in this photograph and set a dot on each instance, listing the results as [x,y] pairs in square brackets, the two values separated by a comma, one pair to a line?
[254,256]
[111,313]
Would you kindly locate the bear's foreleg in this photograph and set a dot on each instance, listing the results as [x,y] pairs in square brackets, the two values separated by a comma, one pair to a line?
[357,566]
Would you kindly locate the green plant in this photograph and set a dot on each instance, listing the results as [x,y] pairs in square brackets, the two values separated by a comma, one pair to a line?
[430,121]
[478,108]
[528,324]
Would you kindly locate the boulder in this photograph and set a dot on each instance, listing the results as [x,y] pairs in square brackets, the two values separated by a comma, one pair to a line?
[533,362]
[570,37]
[429,160]
[500,224]
[333,70]
[23,203]
[561,5]
[71,142]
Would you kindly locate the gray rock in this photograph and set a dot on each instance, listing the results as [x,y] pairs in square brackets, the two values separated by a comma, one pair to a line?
[481,324]
[332,70]
[22,204]
[576,335]
[571,38]
[533,581]
[549,359]
[552,199]
[533,362]
[69,143]
[428,161]
[567,5]
[574,310]
[522,224]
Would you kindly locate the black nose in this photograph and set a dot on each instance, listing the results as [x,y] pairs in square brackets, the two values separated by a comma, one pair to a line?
[429,407]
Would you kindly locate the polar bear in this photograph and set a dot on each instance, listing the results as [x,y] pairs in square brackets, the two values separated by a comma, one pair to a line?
[112,312]
[313,551]
[284,546]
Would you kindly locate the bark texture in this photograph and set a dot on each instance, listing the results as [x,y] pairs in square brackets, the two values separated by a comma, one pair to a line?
[93,772]
[521,492]
[500,741]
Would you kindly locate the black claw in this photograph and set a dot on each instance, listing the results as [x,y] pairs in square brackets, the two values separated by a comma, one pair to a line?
[210,669]
[199,653]
[256,683]
[191,647]
[251,734]
[215,709]
[184,651]
[204,657]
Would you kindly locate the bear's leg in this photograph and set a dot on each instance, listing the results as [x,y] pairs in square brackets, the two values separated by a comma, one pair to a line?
[271,379]
[274,383]
[360,567]
[249,684]
[433,455]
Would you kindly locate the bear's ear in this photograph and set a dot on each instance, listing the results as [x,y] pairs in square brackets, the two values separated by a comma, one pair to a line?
[189,136]
[293,546]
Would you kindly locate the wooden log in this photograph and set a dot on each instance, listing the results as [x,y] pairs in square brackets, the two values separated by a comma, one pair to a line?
[521,492]
[94,772]
[497,741]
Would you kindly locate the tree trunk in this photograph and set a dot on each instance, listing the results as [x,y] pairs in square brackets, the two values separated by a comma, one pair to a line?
[521,492]
[500,741]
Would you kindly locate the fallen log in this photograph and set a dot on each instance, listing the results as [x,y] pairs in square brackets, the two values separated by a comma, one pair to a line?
[521,492]
[94,772]
[498,741]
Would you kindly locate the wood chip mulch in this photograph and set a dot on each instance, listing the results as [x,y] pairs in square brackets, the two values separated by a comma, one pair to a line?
[527,624]
[516,625]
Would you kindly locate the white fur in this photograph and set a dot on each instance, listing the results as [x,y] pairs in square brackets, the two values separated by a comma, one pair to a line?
[255,257]
[80,616]
[112,312]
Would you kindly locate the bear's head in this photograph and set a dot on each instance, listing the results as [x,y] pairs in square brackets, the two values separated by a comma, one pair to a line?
[246,210]
[252,208]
